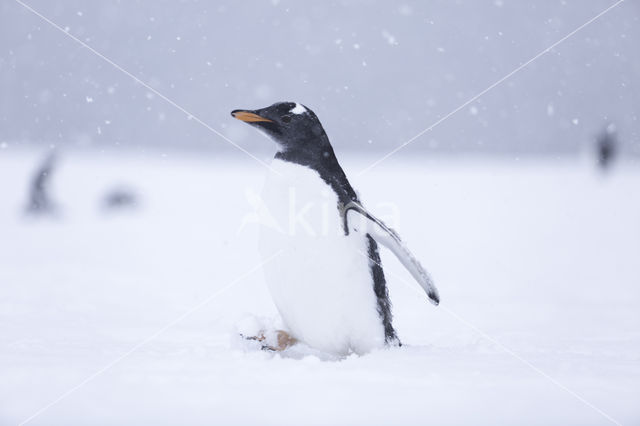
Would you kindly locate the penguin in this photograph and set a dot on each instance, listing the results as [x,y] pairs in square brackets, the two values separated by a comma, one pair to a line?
[606,145]
[327,282]
[39,201]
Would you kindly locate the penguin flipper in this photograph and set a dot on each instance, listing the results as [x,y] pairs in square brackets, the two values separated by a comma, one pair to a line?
[390,239]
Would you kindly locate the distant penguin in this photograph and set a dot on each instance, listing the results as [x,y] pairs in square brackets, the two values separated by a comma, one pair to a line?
[39,199]
[327,281]
[120,198]
[606,146]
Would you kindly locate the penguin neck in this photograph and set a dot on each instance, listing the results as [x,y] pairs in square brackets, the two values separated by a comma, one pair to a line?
[326,165]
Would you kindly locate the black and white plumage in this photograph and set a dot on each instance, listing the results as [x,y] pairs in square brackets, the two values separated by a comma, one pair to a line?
[328,284]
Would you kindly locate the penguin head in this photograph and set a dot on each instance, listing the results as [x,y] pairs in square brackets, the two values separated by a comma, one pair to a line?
[294,127]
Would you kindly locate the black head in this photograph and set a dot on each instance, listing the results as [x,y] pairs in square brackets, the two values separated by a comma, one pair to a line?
[301,139]
[294,127]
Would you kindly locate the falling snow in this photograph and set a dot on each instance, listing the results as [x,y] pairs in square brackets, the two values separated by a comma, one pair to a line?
[517,188]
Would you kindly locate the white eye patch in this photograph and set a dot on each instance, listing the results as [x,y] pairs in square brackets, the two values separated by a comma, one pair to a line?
[298,109]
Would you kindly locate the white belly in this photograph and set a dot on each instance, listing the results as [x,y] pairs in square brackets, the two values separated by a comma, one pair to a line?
[321,281]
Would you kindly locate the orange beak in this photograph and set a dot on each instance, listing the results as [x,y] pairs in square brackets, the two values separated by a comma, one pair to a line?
[248,117]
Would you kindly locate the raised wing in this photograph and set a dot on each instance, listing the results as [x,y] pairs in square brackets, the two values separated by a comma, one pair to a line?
[390,239]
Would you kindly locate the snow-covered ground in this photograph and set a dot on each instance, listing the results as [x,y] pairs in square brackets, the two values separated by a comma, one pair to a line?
[537,263]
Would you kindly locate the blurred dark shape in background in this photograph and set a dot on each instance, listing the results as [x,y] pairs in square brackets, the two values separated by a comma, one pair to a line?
[120,198]
[607,147]
[40,202]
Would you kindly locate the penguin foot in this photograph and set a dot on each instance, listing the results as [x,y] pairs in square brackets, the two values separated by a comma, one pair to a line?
[285,340]
[275,341]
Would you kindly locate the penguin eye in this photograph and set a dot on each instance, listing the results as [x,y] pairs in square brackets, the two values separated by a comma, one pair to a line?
[286,118]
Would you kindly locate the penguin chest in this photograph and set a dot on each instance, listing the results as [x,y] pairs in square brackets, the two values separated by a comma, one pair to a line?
[320,281]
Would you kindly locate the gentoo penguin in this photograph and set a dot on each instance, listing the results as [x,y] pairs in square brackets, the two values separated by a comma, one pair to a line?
[607,144]
[327,281]
[39,200]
